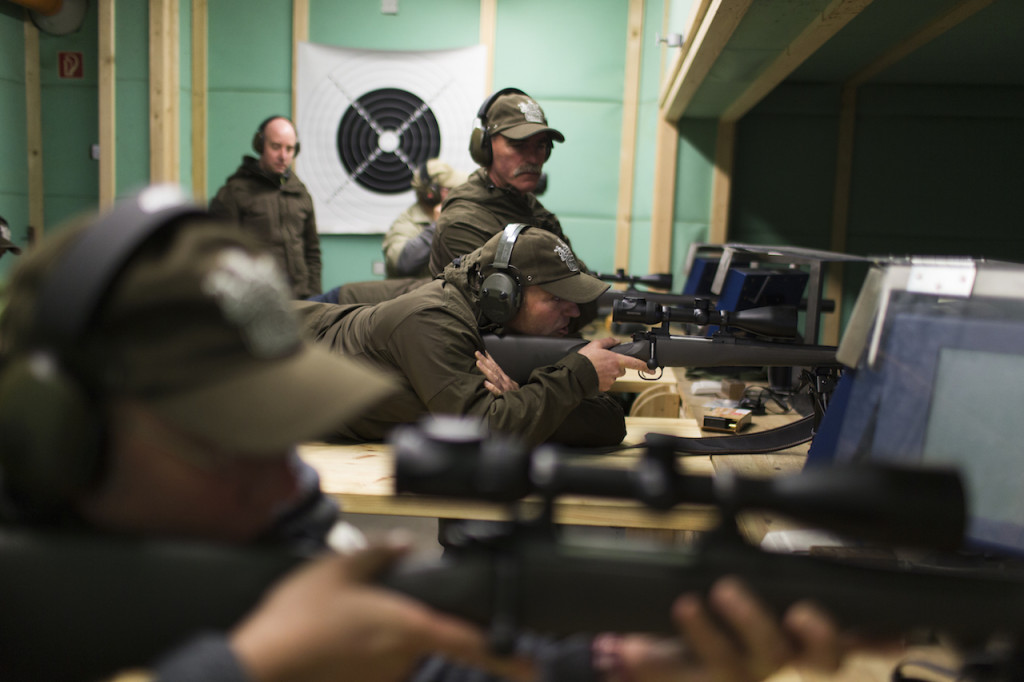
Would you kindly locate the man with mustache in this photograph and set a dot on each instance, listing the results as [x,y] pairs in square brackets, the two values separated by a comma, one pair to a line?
[511,142]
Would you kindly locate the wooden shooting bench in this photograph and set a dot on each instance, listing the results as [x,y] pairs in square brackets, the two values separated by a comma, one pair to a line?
[361,476]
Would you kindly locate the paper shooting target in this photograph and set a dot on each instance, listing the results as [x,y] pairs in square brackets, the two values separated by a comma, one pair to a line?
[367,119]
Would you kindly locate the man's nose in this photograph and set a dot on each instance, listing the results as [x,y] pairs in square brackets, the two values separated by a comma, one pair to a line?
[571,309]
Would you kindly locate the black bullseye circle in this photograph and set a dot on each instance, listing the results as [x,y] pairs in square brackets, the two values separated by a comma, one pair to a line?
[384,136]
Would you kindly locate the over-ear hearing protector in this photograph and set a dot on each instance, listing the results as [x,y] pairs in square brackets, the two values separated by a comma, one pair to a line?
[428,190]
[52,435]
[501,293]
[480,139]
[260,137]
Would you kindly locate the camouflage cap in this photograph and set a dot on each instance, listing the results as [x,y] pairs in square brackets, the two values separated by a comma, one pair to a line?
[544,260]
[439,172]
[200,328]
[519,117]
[5,238]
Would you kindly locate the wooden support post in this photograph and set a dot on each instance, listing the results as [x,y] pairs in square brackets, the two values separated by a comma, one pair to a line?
[721,182]
[164,119]
[300,34]
[34,132]
[488,30]
[663,206]
[107,78]
[200,51]
[627,148]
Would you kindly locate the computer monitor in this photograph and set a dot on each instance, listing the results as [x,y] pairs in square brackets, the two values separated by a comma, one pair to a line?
[939,379]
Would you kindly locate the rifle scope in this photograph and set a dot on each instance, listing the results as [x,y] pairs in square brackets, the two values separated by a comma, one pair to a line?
[456,457]
[661,280]
[779,321]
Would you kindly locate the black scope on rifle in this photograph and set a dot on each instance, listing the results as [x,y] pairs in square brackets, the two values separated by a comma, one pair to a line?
[456,457]
[777,321]
[661,280]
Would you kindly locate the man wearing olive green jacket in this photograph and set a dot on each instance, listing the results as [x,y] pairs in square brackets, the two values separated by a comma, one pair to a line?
[432,339]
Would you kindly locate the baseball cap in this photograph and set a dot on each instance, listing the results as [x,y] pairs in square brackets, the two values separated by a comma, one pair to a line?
[439,172]
[544,260]
[199,327]
[5,238]
[518,117]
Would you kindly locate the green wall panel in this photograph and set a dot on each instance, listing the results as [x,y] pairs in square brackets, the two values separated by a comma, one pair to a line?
[249,45]
[562,50]
[592,240]
[419,24]
[68,169]
[583,171]
[132,135]
[349,258]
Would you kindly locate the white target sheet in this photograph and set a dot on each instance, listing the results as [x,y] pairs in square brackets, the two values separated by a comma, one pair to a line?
[368,118]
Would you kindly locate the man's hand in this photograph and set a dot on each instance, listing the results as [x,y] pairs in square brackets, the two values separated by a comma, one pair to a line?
[609,364]
[495,379]
[754,646]
[326,620]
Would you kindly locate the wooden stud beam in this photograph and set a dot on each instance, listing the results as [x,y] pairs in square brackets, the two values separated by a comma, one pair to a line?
[107,78]
[663,206]
[300,34]
[200,60]
[34,132]
[698,10]
[627,147]
[721,182]
[488,33]
[720,21]
[164,98]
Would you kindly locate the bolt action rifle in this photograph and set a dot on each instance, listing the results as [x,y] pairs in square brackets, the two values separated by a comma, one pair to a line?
[731,346]
[80,606]
[523,576]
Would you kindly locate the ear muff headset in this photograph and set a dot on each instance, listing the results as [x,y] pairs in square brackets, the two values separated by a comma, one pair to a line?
[52,435]
[480,139]
[260,137]
[428,190]
[501,293]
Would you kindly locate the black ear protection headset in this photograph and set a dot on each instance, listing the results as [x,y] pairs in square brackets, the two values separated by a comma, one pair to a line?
[52,435]
[480,139]
[260,137]
[428,190]
[501,293]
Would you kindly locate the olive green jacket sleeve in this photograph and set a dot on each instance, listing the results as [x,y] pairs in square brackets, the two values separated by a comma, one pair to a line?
[436,354]
[430,349]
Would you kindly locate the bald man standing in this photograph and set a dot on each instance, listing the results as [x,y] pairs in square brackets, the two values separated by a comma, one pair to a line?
[268,200]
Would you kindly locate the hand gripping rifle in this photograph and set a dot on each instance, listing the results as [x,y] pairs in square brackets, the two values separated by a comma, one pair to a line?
[518,356]
[525,577]
[731,346]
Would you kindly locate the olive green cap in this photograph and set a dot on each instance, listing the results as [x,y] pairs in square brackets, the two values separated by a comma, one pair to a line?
[518,117]
[199,326]
[542,259]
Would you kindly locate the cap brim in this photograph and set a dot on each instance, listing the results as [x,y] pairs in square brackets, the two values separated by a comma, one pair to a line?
[578,288]
[302,397]
[525,130]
